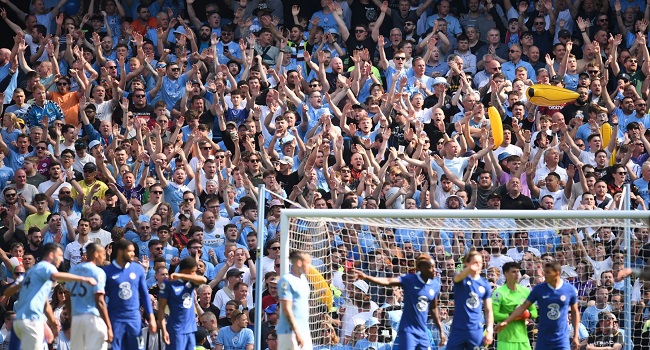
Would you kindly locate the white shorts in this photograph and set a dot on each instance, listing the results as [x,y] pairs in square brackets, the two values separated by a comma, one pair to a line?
[88,332]
[31,334]
[288,342]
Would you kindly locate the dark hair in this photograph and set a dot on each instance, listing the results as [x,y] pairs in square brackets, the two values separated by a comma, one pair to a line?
[154,242]
[187,263]
[91,248]
[121,244]
[51,248]
[510,265]
[553,265]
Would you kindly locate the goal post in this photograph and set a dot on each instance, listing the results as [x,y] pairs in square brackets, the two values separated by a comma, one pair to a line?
[318,232]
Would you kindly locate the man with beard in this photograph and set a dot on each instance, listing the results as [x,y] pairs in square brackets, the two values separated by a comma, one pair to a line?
[227,48]
[579,108]
[97,234]
[34,244]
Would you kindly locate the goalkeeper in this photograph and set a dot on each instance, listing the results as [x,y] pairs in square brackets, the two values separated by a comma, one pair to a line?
[505,300]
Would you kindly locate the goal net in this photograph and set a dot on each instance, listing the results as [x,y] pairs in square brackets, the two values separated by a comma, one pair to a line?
[591,245]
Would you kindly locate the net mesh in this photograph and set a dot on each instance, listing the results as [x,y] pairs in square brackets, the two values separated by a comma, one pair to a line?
[387,247]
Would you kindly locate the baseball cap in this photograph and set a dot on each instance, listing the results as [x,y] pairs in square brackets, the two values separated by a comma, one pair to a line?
[357,106]
[494,195]
[231,123]
[234,272]
[275,203]
[503,156]
[564,34]
[556,79]
[93,144]
[271,309]
[90,167]
[362,285]
[624,76]
[286,160]
[180,30]
[440,80]
[184,216]
[371,322]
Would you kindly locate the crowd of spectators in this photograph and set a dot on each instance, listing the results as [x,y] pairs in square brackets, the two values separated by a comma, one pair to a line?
[156,120]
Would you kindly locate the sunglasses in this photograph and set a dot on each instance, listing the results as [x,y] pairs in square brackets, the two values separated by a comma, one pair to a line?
[274,248]
[156,192]
[399,58]
[314,85]
[10,195]
[175,69]
[254,161]
[138,96]
[61,84]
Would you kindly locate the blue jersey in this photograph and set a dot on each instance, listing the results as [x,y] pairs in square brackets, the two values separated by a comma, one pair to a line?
[126,291]
[417,296]
[34,292]
[82,295]
[295,289]
[235,340]
[469,295]
[180,299]
[553,305]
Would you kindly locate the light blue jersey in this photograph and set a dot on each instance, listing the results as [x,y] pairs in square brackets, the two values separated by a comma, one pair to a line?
[235,340]
[82,295]
[295,289]
[34,292]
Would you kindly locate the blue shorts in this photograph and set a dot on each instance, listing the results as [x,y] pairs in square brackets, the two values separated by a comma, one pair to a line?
[127,336]
[463,339]
[408,341]
[14,342]
[185,341]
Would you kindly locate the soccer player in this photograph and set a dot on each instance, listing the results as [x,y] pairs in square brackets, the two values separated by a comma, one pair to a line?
[421,293]
[126,289]
[506,299]
[470,291]
[293,292]
[88,305]
[29,324]
[177,292]
[554,299]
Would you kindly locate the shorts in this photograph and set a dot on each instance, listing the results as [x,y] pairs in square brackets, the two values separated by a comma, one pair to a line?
[88,332]
[408,341]
[31,334]
[14,342]
[288,342]
[185,341]
[127,336]
[503,345]
[464,339]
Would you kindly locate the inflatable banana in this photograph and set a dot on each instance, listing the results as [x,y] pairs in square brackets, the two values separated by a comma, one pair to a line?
[320,288]
[549,95]
[496,125]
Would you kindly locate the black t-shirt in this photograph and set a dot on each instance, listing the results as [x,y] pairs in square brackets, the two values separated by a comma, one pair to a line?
[18,237]
[572,110]
[522,202]
[363,13]
[37,253]
[288,181]
[353,44]
[145,112]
